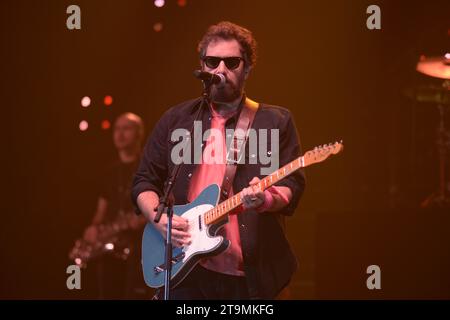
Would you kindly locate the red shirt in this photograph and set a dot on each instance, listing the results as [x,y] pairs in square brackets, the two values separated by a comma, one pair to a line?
[212,170]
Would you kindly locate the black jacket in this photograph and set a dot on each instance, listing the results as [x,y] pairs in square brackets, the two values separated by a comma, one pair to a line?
[268,259]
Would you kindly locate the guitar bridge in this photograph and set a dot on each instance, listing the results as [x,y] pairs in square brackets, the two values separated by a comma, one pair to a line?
[162,267]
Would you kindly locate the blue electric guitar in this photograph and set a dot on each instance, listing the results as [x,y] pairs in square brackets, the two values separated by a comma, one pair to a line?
[205,217]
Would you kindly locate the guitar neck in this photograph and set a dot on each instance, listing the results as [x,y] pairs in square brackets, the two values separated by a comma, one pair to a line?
[225,207]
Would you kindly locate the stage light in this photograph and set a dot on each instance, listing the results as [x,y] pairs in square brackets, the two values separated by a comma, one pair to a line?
[85,101]
[447,55]
[159,3]
[106,124]
[157,27]
[182,3]
[78,261]
[83,125]
[108,100]
[109,246]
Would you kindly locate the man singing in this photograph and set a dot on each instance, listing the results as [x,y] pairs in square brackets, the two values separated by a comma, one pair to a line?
[258,263]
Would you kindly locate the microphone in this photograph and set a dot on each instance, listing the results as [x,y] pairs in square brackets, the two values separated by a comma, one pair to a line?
[212,78]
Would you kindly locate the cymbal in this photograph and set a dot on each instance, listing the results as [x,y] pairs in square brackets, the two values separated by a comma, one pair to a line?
[438,67]
[433,94]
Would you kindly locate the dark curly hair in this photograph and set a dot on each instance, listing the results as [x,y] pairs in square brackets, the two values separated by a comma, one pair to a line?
[227,30]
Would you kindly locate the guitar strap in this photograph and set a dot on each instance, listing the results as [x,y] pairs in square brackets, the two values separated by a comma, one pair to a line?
[236,149]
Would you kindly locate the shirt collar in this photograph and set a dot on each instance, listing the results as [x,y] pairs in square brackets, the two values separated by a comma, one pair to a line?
[198,102]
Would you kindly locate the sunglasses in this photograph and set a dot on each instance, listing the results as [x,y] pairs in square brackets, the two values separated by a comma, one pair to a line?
[231,62]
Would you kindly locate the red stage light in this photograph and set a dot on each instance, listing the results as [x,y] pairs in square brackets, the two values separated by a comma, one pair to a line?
[182,3]
[108,100]
[106,124]
[157,27]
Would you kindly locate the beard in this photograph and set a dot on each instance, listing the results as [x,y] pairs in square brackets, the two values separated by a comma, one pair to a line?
[227,93]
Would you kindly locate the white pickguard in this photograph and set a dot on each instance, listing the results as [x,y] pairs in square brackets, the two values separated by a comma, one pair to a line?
[200,239]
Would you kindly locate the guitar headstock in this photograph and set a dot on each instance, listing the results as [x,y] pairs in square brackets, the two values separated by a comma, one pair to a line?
[321,153]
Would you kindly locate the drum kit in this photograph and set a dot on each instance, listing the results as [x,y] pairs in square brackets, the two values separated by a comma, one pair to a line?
[438,68]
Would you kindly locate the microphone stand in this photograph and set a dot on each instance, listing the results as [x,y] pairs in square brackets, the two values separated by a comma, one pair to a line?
[167,200]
